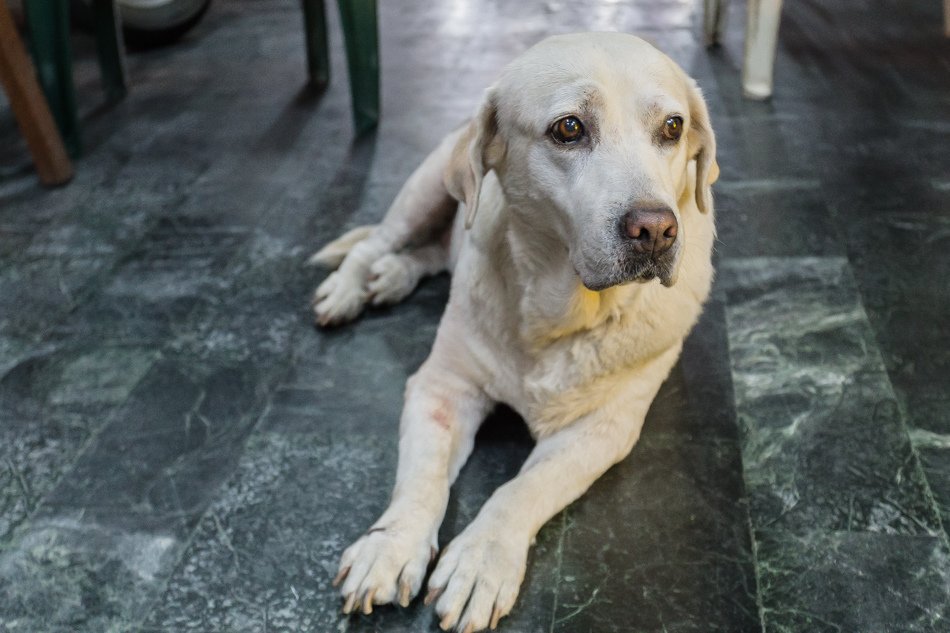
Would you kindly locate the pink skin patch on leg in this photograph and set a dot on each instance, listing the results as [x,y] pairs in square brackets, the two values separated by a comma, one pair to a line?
[442,415]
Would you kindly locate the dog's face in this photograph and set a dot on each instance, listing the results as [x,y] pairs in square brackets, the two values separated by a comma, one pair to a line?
[592,137]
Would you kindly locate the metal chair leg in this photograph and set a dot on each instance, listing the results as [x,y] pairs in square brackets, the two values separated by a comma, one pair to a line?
[714,17]
[109,47]
[361,32]
[315,33]
[48,24]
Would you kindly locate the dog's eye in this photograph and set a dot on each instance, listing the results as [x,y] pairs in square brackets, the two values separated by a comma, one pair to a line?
[567,130]
[673,128]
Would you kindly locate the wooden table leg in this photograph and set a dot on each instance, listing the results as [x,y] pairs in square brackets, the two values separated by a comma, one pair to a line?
[29,105]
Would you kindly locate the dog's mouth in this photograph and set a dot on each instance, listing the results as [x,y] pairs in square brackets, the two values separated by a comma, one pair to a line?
[629,269]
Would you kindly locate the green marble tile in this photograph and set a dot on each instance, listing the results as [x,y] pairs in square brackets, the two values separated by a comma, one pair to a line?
[51,405]
[824,582]
[823,441]
[660,543]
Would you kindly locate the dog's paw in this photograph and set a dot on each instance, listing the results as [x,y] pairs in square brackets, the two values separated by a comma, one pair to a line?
[387,564]
[393,278]
[338,300]
[477,579]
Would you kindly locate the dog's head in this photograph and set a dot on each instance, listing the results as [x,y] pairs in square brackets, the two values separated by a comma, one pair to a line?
[592,137]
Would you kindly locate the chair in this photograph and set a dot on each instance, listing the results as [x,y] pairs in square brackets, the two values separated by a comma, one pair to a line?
[760,40]
[361,36]
[48,26]
[761,36]
[29,107]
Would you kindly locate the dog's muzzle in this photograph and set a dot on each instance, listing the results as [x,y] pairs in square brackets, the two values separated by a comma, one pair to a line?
[648,237]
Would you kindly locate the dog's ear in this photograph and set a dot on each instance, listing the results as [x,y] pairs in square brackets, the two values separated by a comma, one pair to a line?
[478,150]
[702,146]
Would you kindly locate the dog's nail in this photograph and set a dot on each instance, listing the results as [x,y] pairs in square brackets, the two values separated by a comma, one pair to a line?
[350,603]
[404,594]
[432,595]
[469,628]
[341,576]
[446,622]
[368,602]
[495,616]
[433,552]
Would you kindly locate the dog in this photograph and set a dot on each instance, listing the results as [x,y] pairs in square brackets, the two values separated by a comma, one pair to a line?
[575,214]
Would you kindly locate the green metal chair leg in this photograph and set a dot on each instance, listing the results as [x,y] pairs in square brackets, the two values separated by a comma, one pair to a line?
[109,48]
[361,33]
[315,31]
[48,23]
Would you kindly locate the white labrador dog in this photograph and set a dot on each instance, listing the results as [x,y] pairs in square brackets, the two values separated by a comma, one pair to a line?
[580,256]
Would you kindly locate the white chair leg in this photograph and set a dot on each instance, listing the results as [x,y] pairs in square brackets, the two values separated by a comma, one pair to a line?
[714,17]
[760,40]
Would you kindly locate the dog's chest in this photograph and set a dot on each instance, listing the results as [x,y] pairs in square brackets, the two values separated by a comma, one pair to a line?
[554,382]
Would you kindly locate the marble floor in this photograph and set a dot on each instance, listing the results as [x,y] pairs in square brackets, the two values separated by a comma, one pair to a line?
[180,450]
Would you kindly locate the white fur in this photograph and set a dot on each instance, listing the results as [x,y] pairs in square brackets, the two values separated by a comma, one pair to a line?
[580,366]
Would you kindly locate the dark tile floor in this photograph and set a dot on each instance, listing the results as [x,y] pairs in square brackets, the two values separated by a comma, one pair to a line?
[181,451]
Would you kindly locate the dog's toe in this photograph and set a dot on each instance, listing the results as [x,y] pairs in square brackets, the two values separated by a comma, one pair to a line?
[337,301]
[324,289]
[392,280]
[382,567]
[477,580]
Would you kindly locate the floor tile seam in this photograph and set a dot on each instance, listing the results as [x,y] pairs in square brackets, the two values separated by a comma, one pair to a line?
[558,568]
[924,438]
[254,433]
[905,426]
[22,526]
[804,533]
[753,542]
[696,439]
[768,185]
[919,467]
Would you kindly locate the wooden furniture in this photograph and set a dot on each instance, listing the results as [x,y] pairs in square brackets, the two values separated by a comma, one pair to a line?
[29,106]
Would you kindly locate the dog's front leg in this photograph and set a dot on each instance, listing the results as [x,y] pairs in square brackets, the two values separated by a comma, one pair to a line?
[437,430]
[481,571]
[479,574]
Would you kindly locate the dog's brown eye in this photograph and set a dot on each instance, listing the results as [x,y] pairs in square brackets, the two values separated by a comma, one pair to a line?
[673,128]
[567,130]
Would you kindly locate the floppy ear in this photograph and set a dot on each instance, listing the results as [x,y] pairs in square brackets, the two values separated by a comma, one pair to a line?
[702,145]
[477,151]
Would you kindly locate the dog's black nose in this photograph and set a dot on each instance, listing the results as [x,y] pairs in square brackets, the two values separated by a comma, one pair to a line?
[651,229]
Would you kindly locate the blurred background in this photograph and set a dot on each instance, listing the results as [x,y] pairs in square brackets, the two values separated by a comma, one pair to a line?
[180,450]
